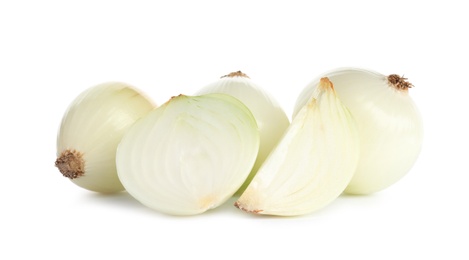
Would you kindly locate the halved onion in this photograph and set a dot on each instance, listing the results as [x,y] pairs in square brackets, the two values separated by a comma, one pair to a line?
[189,155]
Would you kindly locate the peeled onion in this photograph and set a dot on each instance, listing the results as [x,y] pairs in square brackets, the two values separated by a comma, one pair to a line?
[90,131]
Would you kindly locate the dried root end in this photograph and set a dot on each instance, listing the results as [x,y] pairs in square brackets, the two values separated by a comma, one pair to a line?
[235,74]
[71,164]
[256,211]
[399,83]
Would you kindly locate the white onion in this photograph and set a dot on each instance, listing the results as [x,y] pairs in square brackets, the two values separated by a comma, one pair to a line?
[90,131]
[189,155]
[313,162]
[389,123]
[270,117]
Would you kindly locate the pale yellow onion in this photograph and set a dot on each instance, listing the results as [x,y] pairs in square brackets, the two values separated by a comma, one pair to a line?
[90,131]
[313,162]
[270,117]
[189,155]
[389,123]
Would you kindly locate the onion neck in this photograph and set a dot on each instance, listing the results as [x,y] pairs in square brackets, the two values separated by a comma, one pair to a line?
[325,84]
[71,164]
[235,74]
[399,83]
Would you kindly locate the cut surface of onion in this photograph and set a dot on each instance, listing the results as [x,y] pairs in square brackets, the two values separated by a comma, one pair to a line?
[389,124]
[313,162]
[90,131]
[270,117]
[189,155]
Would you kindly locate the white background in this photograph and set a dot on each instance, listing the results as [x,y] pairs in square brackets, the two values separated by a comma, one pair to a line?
[50,51]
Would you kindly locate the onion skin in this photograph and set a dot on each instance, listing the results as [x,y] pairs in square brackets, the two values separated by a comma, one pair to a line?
[389,124]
